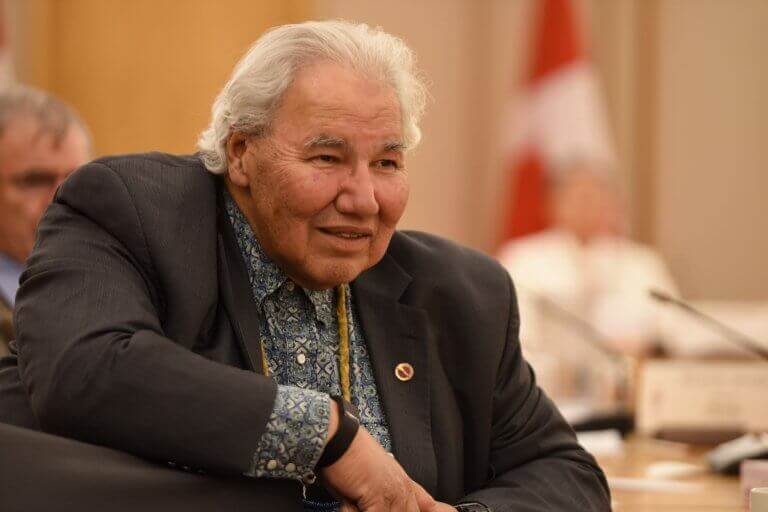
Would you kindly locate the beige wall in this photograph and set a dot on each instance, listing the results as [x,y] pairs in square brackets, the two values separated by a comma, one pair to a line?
[711,131]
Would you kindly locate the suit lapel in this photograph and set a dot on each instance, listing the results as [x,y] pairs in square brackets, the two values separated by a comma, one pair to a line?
[397,333]
[236,292]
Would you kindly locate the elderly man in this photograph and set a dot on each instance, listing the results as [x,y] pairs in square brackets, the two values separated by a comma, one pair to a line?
[252,310]
[42,140]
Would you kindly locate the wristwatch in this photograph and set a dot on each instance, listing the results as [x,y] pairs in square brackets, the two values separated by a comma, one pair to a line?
[339,443]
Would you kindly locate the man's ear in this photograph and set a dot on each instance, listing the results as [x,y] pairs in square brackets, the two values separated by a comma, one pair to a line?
[237,146]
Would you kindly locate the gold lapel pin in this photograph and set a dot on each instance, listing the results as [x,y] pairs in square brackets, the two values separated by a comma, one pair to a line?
[404,372]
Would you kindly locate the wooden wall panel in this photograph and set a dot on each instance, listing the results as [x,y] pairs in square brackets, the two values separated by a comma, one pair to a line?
[144,73]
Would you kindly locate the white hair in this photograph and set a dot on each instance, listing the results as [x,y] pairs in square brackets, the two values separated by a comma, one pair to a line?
[252,94]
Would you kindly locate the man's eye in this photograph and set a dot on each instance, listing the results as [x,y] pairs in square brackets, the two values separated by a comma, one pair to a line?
[386,164]
[35,180]
[325,159]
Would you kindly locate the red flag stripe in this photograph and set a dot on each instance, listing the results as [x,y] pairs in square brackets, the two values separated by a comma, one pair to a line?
[557,42]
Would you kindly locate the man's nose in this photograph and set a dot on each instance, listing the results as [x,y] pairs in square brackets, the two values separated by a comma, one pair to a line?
[357,194]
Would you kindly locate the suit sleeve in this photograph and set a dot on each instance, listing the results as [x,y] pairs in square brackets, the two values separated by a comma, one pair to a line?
[93,356]
[536,462]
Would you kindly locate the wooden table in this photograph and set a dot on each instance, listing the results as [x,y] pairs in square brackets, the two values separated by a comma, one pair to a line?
[706,492]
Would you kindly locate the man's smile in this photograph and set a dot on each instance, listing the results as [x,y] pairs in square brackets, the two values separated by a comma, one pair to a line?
[347,238]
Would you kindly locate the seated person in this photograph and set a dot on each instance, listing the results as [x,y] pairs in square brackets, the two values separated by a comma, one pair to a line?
[252,310]
[583,288]
[42,140]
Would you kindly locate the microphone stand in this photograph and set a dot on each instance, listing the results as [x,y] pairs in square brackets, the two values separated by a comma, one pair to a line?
[729,333]
[622,419]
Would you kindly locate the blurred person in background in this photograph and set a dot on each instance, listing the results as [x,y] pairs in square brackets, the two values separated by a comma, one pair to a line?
[42,140]
[583,291]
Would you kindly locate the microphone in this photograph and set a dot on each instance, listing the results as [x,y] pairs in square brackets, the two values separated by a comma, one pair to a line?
[729,333]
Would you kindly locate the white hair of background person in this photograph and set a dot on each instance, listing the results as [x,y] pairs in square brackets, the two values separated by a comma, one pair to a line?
[252,94]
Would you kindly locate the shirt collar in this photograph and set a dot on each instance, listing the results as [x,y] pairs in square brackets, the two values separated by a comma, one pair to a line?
[323,302]
[264,275]
[10,271]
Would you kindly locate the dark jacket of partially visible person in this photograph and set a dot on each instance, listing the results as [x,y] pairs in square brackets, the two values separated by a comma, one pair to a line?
[137,331]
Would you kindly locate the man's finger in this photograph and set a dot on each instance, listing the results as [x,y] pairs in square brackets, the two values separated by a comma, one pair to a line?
[412,503]
[424,500]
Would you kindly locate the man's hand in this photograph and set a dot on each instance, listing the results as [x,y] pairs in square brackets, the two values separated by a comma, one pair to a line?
[367,478]
[372,480]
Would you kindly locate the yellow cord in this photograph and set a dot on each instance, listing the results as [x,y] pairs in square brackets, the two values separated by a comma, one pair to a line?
[341,315]
[264,363]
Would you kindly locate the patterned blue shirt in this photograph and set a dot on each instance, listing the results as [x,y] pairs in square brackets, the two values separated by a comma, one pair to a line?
[300,336]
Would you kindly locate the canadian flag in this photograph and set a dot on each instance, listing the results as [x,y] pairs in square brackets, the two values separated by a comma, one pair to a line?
[560,120]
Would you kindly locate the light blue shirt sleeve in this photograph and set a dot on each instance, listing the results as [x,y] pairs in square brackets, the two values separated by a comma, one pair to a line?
[294,436]
[10,271]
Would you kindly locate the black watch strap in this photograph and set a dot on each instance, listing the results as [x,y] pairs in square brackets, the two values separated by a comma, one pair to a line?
[339,443]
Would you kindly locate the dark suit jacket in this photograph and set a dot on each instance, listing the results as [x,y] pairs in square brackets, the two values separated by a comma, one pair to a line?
[137,331]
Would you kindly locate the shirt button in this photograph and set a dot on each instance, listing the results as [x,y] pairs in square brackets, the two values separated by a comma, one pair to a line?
[301,358]
[290,467]
[272,465]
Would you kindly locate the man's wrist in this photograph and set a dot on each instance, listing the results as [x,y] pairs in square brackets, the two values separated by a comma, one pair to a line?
[333,421]
[294,436]
[339,443]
